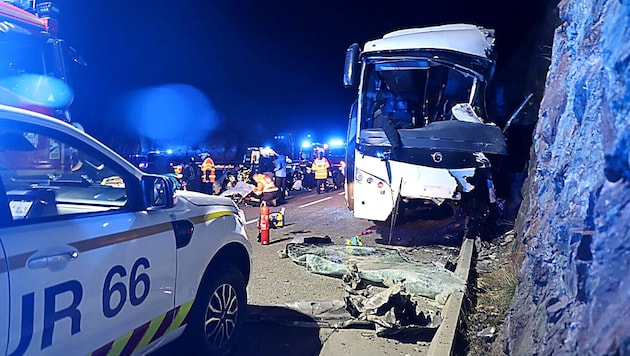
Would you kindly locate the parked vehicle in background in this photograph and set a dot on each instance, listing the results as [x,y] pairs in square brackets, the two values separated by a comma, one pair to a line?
[418,132]
[97,257]
[259,159]
[160,162]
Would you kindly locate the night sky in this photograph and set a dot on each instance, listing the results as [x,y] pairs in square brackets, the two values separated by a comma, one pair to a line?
[264,66]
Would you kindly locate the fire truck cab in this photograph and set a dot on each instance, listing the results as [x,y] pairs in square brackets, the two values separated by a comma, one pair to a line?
[32,69]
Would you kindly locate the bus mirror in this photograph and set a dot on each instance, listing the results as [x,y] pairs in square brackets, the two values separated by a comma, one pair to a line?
[351,65]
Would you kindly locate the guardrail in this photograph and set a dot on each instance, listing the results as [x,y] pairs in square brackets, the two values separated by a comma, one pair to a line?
[444,339]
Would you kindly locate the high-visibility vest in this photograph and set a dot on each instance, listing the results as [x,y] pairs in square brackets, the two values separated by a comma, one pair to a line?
[320,166]
[207,170]
[264,184]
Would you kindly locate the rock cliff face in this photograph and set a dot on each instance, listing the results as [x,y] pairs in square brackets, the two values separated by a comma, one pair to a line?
[573,295]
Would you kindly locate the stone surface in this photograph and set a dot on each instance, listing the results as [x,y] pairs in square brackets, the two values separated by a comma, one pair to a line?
[574,222]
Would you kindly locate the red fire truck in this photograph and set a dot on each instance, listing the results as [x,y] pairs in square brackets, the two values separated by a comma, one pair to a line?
[33,76]
[32,68]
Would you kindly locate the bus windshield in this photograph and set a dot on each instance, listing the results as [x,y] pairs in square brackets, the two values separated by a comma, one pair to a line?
[416,91]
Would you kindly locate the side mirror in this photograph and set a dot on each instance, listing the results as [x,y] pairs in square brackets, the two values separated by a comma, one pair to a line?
[159,191]
[351,65]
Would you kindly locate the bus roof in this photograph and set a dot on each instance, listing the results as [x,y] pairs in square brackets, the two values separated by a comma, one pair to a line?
[464,38]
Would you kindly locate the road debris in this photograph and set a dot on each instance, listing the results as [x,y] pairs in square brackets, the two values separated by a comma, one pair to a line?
[383,287]
[378,266]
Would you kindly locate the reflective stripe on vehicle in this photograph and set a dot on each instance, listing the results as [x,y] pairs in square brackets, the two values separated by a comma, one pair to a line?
[143,335]
[211,216]
[107,240]
[17,262]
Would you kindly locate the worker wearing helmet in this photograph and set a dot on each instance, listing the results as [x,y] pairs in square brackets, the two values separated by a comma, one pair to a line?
[265,189]
[320,167]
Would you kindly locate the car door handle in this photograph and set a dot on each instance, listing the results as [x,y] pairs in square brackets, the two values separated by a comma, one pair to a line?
[47,261]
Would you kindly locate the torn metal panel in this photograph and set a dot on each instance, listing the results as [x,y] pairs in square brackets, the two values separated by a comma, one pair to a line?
[427,183]
[392,310]
[459,138]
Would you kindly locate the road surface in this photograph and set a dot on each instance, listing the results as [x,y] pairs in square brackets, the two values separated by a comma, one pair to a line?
[276,281]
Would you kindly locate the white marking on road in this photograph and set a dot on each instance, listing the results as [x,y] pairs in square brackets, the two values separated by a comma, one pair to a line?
[314,202]
[251,221]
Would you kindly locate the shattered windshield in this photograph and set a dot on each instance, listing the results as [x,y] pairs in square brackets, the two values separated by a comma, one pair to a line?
[416,91]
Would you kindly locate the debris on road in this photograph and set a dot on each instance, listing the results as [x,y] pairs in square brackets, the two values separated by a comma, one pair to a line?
[377,266]
[488,333]
[354,241]
[383,288]
[393,311]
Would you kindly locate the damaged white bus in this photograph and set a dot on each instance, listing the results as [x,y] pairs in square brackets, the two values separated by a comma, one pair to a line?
[418,132]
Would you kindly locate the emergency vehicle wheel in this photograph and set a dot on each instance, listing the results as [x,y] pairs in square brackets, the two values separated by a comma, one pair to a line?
[219,312]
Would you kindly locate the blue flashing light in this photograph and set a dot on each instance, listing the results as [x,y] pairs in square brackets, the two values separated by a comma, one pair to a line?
[169,152]
[306,144]
[336,142]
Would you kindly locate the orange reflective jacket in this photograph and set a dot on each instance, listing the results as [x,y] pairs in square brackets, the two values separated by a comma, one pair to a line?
[207,170]
[264,184]
[320,167]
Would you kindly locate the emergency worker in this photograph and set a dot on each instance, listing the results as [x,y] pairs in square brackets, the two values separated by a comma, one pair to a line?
[280,175]
[265,189]
[191,176]
[320,167]
[208,175]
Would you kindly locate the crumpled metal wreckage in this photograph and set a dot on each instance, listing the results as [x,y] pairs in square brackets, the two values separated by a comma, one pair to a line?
[383,288]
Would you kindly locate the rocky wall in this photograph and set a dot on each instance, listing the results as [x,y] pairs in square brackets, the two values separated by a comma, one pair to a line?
[573,295]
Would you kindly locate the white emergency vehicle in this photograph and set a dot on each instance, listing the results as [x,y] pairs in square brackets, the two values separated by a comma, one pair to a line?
[99,258]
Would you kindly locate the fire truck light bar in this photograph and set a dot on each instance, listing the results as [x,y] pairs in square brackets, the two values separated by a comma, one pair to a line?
[47,10]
